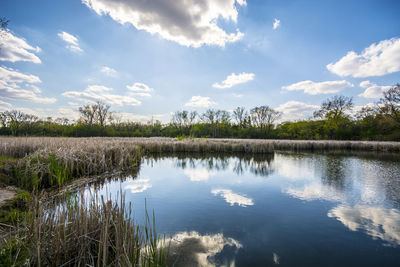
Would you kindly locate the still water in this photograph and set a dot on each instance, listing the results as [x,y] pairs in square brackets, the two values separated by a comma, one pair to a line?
[286,209]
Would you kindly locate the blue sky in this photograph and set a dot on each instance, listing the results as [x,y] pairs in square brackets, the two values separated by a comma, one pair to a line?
[150,58]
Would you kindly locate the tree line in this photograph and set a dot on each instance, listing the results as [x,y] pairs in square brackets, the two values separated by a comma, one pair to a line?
[335,119]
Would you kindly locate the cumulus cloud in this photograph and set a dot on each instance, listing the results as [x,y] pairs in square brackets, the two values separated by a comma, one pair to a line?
[109,71]
[11,82]
[372,90]
[315,88]
[139,87]
[200,102]
[276,24]
[294,110]
[233,198]
[71,40]
[234,79]
[187,22]
[138,185]
[378,222]
[376,60]
[95,93]
[140,90]
[13,49]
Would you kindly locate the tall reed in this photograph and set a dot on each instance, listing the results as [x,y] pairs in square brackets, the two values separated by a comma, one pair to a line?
[75,233]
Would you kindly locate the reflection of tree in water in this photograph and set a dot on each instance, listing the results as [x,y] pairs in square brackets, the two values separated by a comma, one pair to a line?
[259,165]
[333,172]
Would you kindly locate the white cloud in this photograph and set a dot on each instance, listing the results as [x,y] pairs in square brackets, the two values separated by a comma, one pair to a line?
[315,88]
[15,49]
[187,22]
[294,110]
[109,71]
[138,185]
[376,221]
[376,60]
[201,249]
[10,86]
[276,24]
[67,112]
[4,105]
[234,79]
[139,87]
[200,101]
[11,76]
[233,198]
[71,40]
[95,93]
[372,90]
[140,90]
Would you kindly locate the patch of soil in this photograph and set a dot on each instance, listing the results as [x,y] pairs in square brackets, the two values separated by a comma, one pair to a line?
[5,195]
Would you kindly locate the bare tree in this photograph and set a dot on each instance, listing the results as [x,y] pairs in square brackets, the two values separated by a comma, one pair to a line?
[222,116]
[102,112]
[240,115]
[335,107]
[209,116]
[264,117]
[97,113]
[88,113]
[180,118]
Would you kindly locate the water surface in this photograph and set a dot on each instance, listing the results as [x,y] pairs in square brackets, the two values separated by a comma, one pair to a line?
[283,209]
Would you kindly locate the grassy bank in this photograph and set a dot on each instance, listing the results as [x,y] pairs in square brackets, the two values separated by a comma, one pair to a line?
[35,164]
[22,146]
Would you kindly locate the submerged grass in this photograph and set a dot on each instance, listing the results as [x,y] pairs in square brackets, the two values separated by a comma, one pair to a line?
[76,233]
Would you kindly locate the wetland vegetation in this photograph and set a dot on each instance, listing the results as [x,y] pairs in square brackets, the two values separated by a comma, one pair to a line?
[48,217]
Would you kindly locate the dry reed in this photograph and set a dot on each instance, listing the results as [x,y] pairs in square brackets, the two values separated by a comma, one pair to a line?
[76,233]
[22,146]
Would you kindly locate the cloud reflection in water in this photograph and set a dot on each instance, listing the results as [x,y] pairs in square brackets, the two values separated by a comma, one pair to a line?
[233,198]
[376,221]
[193,249]
[199,174]
[138,185]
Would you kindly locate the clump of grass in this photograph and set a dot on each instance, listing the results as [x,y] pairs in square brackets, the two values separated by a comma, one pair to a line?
[99,233]
[14,210]
[49,167]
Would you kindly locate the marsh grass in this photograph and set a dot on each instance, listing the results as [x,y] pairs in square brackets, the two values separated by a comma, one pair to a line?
[53,161]
[76,233]
[22,146]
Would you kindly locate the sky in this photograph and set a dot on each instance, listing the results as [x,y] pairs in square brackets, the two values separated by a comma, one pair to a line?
[148,59]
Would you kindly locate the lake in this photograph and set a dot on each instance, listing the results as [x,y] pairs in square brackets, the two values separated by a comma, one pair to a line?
[287,209]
